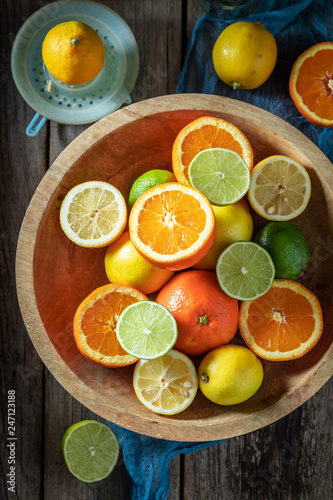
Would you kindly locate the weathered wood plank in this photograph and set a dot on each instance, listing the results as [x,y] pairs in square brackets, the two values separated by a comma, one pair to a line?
[61,411]
[23,163]
[289,459]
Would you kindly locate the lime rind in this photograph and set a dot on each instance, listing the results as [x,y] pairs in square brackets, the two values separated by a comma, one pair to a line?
[220,174]
[90,450]
[147,329]
[245,271]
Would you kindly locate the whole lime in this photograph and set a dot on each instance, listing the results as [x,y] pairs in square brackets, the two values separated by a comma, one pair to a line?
[288,247]
[148,180]
[230,374]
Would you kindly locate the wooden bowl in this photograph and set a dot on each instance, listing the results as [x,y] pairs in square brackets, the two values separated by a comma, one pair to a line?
[54,275]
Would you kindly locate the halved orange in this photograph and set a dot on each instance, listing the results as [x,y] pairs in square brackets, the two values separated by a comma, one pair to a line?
[283,324]
[95,323]
[311,84]
[172,225]
[205,133]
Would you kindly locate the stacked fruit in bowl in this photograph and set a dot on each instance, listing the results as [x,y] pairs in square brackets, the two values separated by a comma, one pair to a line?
[195,299]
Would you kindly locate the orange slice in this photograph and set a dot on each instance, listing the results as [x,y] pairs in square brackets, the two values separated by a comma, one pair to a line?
[280,188]
[172,225]
[95,323]
[283,324]
[311,84]
[205,133]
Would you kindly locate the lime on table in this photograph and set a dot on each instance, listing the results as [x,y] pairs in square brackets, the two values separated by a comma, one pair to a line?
[220,174]
[245,270]
[146,330]
[148,180]
[90,450]
[288,247]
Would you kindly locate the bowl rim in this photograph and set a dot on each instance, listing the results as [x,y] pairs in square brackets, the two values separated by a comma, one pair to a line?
[155,425]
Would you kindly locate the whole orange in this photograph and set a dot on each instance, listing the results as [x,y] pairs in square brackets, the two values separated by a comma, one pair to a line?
[206,317]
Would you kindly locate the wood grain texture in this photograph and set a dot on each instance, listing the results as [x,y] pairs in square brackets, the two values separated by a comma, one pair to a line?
[23,164]
[288,458]
[146,130]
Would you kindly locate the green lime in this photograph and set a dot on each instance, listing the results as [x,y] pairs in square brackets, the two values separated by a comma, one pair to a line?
[220,174]
[146,330]
[287,246]
[148,180]
[245,270]
[90,450]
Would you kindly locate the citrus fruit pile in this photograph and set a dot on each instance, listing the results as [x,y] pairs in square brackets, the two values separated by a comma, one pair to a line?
[190,242]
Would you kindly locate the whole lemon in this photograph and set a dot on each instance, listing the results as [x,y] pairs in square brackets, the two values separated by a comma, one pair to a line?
[244,55]
[233,223]
[125,266]
[230,374]
[73,52]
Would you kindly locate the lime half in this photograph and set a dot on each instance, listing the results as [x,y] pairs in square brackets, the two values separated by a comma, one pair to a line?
[220,174]
[245,271]
[90,450]
[146,330]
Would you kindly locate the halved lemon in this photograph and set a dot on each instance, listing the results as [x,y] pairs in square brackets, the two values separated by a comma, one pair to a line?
[280,188]
[93,214]
[166,385]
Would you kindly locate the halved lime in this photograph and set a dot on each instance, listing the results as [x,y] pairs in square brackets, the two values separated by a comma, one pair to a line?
[90,450]
[245,270]
[146,330]
[220,174]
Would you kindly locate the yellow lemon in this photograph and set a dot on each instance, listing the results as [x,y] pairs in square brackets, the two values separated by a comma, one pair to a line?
[233,223]
[73,52]
[230,374]
[244,55]
[125,266]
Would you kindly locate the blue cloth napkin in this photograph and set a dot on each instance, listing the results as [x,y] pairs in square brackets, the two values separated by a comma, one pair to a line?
[296,26]
[147,461]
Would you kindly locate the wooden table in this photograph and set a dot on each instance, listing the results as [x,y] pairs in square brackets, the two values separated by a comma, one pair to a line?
[291,459]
